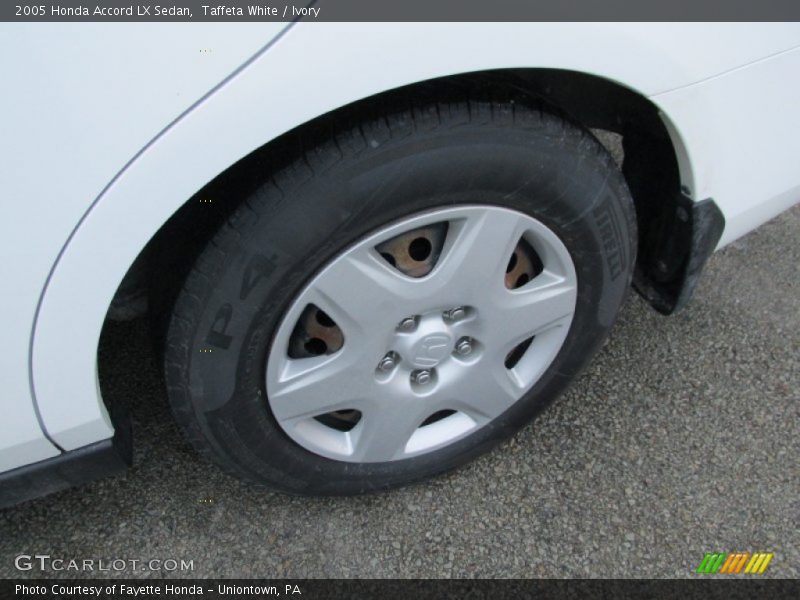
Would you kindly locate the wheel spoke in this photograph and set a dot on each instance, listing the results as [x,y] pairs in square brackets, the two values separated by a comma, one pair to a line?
[477,252]
[384,432]
[547,301]
[312,386]
[357,291]
[486,393]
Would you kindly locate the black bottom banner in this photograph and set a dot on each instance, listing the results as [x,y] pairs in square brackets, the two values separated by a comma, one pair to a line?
[384,589]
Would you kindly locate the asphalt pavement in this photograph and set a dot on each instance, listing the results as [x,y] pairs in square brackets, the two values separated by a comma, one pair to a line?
[682,437]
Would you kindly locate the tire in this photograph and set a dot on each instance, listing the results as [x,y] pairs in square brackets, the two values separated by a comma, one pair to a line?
[500,157]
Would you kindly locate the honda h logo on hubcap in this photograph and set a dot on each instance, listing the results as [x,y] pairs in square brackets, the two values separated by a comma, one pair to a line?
[431,349]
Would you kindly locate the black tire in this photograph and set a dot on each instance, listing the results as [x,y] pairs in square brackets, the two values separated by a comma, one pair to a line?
[403,161]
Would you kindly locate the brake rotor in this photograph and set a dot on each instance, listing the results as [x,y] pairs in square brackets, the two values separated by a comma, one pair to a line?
[415,253]
[522,266]
[316,333]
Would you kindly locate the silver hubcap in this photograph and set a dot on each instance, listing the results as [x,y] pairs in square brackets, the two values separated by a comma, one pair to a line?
[421,333]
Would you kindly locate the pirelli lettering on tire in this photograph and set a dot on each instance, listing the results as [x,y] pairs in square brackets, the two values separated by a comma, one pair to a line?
[610,234]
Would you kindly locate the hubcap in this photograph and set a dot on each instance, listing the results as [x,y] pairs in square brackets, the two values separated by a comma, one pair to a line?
[421,333]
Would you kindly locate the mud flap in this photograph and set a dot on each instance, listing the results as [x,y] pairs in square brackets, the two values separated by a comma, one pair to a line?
[674,254]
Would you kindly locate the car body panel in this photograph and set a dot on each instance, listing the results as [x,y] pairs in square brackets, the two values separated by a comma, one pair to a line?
[113,196]
[741,131]
[79,102]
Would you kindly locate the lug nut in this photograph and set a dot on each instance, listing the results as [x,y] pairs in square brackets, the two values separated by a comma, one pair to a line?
[408,324]
[388,362]
[421,377]
[464,346]
[455,314]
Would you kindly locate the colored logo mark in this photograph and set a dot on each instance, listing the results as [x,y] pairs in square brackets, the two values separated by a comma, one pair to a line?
[733,563]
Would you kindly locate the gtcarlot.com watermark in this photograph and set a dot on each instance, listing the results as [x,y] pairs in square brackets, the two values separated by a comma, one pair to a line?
[45,562]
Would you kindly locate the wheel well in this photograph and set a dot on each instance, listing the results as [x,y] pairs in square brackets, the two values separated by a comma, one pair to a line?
[650,167]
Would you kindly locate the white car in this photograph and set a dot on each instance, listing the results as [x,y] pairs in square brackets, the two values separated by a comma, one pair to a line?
[372,251]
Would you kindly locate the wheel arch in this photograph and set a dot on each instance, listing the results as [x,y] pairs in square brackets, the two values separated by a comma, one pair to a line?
[660,172]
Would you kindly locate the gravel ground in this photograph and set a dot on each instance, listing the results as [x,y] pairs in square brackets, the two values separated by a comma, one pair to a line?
[682,437]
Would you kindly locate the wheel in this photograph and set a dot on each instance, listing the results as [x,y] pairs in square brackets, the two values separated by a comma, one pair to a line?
[400,298]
